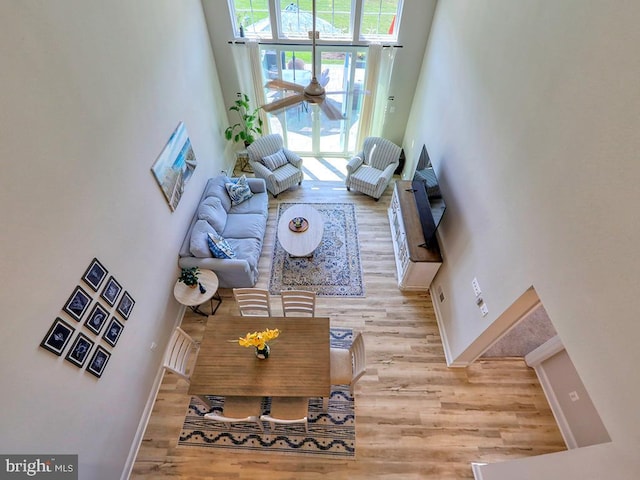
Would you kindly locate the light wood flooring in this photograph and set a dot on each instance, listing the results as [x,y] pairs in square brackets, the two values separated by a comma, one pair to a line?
[415,417]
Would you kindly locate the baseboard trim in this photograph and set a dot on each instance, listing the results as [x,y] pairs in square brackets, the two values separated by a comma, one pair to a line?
[443,335]
[146,413]
[477,472]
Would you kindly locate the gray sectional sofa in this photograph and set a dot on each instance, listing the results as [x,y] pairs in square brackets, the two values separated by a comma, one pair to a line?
[243,226]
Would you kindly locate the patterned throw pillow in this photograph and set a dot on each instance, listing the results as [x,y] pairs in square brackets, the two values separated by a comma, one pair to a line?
[220,248]
[239,191]
[275,160]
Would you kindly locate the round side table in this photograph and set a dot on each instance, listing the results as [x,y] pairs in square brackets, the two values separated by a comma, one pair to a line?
[192,298]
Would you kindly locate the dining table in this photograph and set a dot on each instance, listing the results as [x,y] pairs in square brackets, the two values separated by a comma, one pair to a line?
[297,366]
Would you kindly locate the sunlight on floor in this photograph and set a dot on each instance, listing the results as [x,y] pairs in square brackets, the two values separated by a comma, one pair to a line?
[327,169]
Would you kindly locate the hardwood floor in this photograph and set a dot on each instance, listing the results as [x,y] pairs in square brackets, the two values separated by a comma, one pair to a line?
[415,417]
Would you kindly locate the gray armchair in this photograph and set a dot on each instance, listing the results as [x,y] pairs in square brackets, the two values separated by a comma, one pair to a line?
[370,171]
[280,167]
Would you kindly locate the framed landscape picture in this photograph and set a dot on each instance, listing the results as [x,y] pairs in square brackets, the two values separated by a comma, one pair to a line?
[111,291]
[175,165]
[98,362]
[97,318]
[95,274]
[79,351]
[113,331]
[57,337]
[125,306]
[77,304]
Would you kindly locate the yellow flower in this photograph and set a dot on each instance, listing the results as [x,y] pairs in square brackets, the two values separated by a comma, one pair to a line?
[258,339]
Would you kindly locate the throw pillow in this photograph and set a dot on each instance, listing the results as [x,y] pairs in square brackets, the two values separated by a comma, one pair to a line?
[238,191]
[275,160]
[220,248]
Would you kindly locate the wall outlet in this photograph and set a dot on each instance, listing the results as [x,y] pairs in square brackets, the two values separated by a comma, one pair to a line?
[440,293]
[153,346]
[476,287]
[573,396]
[484,310]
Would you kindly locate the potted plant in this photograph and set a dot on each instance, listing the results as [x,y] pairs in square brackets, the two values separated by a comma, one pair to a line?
[250,124]
[189,276]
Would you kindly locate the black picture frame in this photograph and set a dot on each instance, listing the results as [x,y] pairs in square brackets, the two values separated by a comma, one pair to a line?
[80,349]
[111,291]
[58,336]
[78,303]
[95,274]
[113,332]
[126,305]
[98,361]
[97,318]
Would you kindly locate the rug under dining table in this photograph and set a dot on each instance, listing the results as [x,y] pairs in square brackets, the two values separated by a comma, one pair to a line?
[334,269]
[331,433]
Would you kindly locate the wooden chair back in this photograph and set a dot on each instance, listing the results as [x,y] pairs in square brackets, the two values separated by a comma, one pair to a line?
[298,302]
[253,302]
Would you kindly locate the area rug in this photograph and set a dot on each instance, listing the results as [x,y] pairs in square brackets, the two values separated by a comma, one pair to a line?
[331,433]
[335,269]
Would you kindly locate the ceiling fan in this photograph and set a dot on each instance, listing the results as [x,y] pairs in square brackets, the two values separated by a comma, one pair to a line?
[314,92]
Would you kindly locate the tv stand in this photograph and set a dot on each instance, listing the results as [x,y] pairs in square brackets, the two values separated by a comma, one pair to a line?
[416,262]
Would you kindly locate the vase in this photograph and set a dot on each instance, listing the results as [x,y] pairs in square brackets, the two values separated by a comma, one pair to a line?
[263,353]
[201,287]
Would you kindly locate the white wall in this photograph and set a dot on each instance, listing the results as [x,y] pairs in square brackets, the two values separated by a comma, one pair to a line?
[90,93]
[530,111]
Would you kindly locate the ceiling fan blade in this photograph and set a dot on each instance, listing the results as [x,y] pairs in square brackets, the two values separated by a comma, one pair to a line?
[284,102]
[330,110]
[284,85]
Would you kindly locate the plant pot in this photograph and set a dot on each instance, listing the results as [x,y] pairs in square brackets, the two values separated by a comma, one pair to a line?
[264,353]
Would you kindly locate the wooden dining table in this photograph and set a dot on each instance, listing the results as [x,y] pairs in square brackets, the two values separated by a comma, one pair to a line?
[298,364]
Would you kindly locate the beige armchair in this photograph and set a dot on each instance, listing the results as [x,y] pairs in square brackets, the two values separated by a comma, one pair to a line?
[370,171]
[280,167]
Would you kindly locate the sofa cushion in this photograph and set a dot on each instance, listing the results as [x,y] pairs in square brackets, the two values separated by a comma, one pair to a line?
[248,249]
[215,188]
[212,211]
[275,160]
[199,247]
[259,203]
[238,191]
[245,225]
[220,248]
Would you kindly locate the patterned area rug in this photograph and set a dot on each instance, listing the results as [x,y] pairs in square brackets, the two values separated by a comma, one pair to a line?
[335,269]
[331,433]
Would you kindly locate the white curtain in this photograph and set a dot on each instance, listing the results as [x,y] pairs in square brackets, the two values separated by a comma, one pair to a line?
[249,72]
[374,105]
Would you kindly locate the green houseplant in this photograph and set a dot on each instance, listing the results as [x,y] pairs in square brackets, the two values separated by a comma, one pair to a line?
[250,124]
[189,276]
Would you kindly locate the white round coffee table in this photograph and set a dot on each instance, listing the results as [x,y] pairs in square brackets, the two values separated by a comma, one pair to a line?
[300,243]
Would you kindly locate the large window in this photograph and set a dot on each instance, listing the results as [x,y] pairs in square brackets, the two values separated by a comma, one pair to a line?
[292,19]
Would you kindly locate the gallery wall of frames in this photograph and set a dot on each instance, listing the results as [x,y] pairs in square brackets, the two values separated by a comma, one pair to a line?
[97,310]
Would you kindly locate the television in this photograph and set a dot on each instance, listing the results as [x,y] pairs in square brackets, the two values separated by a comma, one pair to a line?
[429,201]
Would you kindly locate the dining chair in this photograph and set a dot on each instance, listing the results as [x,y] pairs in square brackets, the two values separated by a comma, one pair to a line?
[296,302]
[348,365]
[179,351]
[288,410]
[239,409]
[252,302]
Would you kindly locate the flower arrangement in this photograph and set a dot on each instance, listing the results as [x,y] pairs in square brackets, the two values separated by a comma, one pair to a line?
[258,339]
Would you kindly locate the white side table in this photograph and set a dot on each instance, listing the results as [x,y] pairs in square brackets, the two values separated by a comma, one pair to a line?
[192,298]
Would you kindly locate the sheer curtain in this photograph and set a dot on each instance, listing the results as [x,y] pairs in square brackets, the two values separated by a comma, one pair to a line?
[249,71]
[374,106]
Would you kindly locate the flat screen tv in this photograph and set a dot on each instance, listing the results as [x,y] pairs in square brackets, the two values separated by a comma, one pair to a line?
[428,197]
